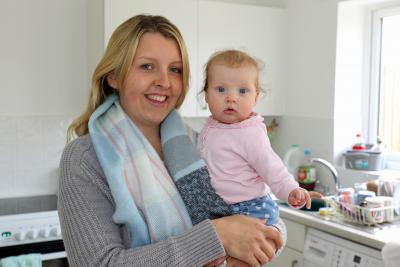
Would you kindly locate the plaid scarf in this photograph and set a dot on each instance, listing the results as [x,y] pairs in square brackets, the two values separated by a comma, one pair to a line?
[155,199]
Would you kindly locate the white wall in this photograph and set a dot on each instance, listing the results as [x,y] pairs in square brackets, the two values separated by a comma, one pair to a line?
[44,83]
[309,96]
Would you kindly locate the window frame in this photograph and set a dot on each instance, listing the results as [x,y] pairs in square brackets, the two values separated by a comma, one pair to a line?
[393,159]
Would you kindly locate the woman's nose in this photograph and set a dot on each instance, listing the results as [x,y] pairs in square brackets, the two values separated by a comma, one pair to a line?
[162,79]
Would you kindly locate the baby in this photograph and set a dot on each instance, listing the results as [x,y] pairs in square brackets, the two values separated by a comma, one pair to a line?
[243,167]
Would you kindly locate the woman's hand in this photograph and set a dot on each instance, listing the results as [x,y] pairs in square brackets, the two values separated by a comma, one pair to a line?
[248,239]
[216,262]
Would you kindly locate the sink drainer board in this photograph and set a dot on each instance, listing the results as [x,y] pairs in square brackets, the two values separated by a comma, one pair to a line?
[364,215]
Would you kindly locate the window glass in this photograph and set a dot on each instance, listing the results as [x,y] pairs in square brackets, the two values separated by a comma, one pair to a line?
[389,84]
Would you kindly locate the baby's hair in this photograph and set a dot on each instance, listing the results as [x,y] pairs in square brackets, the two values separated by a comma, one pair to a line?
[232,59]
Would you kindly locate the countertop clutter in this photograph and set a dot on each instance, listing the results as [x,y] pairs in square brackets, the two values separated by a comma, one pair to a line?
[371,236]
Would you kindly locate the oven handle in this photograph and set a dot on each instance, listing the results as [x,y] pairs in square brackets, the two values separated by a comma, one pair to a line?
[54,255]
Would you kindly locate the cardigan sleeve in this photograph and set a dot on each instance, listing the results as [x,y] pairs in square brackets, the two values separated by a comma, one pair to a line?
[92,238]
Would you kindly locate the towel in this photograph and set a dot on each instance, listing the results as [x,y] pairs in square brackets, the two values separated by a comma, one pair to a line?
[391,254]
[27,260]
[155,199]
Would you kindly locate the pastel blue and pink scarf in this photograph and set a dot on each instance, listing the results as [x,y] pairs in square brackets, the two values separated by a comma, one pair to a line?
[155,199]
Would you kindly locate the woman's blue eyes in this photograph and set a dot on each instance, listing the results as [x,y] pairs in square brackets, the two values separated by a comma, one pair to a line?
[176,70]
[146,66]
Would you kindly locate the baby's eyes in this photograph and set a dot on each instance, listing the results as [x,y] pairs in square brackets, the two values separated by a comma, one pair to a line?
[242,91]
[220,89]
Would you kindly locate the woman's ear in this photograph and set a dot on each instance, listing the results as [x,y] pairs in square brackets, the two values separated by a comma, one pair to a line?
[112,81]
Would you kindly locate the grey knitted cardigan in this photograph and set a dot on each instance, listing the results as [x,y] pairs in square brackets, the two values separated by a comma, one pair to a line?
[92,238]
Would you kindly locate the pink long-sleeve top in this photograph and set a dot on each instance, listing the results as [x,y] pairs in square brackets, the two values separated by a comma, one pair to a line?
[241,161]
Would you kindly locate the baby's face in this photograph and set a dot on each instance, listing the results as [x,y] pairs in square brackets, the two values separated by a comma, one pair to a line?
[231,93]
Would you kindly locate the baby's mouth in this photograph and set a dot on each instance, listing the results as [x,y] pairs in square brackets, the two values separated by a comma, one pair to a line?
[229,111]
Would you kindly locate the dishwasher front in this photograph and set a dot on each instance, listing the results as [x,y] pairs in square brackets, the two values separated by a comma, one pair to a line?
[325,250]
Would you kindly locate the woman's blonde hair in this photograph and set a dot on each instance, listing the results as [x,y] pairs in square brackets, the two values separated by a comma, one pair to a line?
[117,59]
[233,59]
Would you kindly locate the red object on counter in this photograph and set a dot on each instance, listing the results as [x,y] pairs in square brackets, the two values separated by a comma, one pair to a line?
[360,144]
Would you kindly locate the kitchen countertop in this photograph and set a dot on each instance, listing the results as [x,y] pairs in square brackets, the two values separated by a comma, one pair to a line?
[375,237]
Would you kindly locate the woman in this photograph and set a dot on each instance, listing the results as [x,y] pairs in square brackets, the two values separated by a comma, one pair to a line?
[118,203]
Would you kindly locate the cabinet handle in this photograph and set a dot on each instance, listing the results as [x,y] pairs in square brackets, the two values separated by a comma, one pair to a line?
[294,263]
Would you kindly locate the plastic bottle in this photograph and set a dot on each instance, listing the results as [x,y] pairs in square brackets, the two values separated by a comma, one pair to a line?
[359,143]
[293,159]
[306,174]
[379,147]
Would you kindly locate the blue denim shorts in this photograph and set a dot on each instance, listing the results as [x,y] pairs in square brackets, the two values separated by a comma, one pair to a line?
[261,208]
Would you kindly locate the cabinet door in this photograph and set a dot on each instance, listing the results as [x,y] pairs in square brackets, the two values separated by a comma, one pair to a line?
[258,30]
[183,13]
[288,258]
[296,235]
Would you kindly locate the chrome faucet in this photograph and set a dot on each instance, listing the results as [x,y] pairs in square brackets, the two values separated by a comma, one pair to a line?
[331,169]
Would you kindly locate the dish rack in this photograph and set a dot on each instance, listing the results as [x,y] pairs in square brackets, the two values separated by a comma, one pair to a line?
[365,215]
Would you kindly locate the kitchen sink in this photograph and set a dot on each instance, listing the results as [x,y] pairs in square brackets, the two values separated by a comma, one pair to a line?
[315,204]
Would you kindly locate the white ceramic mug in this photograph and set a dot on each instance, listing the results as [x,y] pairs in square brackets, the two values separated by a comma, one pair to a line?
[375,209]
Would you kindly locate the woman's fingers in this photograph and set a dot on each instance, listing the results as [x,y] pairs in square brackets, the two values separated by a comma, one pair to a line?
[314,194]
[271,233]
[245,238]
[233,262]
[215,262]
[308,199]
[263,256]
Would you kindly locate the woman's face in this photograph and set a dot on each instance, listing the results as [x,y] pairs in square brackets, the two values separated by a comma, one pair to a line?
[154,82]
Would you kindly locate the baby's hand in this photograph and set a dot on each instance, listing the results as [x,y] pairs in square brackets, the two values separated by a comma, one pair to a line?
[299,197]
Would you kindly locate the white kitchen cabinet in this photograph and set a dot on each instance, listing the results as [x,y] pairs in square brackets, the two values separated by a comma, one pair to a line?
[211,25]
[292,254]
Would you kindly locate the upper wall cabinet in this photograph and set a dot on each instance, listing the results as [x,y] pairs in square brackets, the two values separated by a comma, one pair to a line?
[208,26]
[257,30]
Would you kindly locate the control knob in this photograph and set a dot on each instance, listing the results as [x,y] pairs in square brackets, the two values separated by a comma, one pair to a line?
[32,234]
[56,231]
[45,233]
[20,236]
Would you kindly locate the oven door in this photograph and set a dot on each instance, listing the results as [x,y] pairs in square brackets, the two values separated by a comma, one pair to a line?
[53,252]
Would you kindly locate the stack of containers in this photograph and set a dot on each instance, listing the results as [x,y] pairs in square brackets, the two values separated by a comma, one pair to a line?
[364,156]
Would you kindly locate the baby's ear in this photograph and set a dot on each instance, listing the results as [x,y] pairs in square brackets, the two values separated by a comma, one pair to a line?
[257,95]
[112,81]
[206,96]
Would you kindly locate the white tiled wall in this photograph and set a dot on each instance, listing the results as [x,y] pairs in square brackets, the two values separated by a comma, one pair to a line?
[30,150]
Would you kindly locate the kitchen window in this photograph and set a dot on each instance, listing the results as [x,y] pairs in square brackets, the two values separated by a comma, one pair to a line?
[384,94]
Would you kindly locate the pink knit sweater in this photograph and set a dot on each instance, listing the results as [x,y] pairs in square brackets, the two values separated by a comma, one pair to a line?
[241,161]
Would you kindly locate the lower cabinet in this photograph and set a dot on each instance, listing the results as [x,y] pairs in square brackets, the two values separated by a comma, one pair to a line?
[292,254]
[288,258]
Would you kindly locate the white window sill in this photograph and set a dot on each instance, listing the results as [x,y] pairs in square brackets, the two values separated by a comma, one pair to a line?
[348,177]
